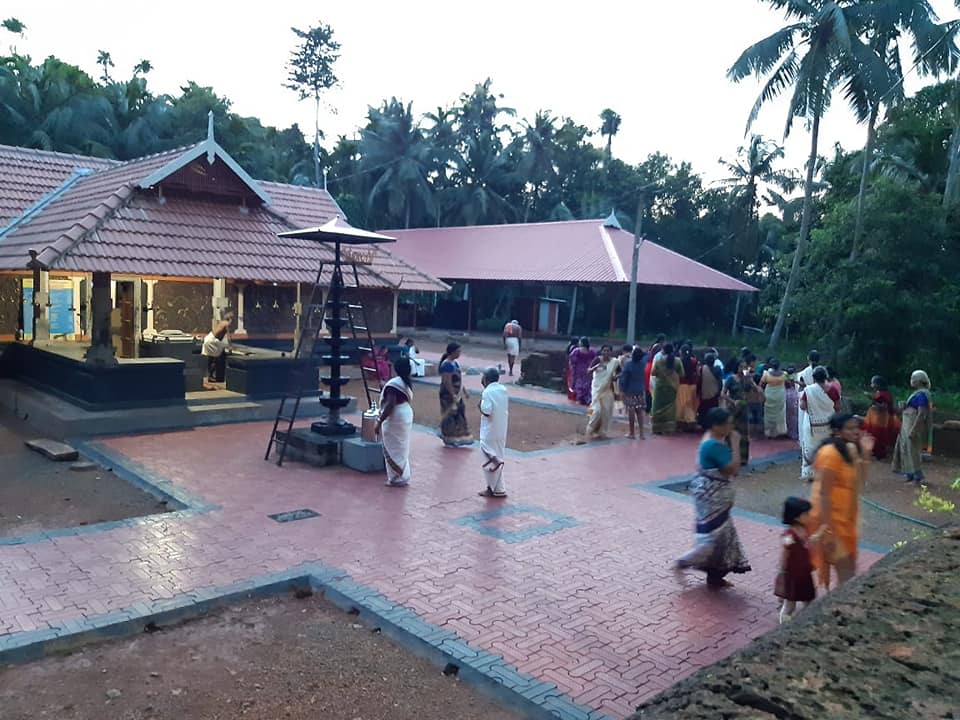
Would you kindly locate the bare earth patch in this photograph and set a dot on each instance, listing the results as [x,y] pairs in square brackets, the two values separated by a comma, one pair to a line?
[764,491]
[275,658]
[39,494]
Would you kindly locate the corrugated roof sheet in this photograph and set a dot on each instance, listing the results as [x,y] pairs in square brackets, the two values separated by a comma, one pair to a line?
[103,222]
[580,251]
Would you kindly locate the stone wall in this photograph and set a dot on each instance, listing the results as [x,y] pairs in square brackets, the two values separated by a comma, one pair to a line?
[185,306]
[9,304]
[885,646]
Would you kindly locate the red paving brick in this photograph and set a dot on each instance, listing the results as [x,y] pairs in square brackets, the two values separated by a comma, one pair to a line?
[594,608]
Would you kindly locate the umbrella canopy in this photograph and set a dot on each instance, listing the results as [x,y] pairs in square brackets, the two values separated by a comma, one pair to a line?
[338,230]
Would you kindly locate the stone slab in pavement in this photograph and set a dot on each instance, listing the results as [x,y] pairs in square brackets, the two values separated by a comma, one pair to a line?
[53,449]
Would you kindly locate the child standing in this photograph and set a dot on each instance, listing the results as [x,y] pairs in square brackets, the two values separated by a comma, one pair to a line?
[795,577]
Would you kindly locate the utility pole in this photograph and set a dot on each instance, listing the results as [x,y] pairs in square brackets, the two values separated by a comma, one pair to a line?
[637,241]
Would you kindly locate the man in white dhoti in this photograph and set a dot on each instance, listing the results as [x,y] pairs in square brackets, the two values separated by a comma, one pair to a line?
[819,402]
[494,417]
[396,423]
[512,337]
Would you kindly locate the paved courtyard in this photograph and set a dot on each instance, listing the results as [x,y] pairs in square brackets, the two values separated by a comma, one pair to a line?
[568,581]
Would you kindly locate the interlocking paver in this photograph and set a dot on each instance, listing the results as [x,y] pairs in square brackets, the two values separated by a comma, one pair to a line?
[568,581]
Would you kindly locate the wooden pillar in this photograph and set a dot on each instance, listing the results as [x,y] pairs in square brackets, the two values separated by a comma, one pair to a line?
[396,310]
[88,307]
[298,318]
[573,311]
[613,313]
[101,351]
[138,320]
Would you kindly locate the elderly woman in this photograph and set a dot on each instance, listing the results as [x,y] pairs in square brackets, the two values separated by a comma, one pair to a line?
[454,430]
[914,429]
[580,360]
[774,384]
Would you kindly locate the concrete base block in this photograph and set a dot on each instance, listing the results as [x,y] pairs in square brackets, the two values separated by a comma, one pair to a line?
[54,450]
[309,447]
[363,456]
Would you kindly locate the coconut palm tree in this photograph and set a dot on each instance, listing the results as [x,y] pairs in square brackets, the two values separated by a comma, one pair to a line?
[935,51]
[538,157]
[812,56]
[393,145]
[753,168]
[610,127]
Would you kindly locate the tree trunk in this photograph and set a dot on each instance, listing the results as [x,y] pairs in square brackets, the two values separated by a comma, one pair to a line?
[316,143]
[862,195]
[406,220]
[951,192]
[805,223]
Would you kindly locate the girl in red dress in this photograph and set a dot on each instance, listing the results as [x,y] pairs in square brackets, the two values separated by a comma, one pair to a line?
[795,577]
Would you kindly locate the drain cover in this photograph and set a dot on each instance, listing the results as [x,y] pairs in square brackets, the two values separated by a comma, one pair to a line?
[292,515]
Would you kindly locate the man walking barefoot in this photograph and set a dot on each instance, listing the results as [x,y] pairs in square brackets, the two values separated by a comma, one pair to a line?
[494,417]
[512,337]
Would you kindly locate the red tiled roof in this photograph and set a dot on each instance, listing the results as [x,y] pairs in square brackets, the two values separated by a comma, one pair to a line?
[105,222]
[576,251]
[26,175]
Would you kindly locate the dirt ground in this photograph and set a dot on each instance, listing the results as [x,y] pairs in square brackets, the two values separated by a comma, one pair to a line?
[763,491]
[276,658]
[40,494]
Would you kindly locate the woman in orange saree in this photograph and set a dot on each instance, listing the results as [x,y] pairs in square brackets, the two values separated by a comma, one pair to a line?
[839,471]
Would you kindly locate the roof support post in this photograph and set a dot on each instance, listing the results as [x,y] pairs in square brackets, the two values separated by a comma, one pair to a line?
[41,303]
[396,311]
[139,307]
[573,311]
[101,352]
[736,316]
[151,316]
[241,290]
[221,303]
[298,317]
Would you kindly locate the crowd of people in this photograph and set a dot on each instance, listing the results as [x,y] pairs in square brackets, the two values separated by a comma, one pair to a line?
[728,401]
[743,397]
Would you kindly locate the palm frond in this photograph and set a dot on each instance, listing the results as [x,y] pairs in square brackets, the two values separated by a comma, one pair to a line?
[763,56]
[783,77]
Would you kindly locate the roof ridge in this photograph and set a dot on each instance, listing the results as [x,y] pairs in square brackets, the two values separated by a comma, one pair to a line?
[599,221]
[98,214]
[44,200]
[56,153]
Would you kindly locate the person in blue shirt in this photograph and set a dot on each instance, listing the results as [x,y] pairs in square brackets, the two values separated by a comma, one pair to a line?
[717,551]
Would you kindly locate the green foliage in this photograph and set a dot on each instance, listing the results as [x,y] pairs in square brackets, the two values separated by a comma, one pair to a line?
[926,500]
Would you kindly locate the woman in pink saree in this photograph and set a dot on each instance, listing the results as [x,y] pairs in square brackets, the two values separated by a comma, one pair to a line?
[580,361]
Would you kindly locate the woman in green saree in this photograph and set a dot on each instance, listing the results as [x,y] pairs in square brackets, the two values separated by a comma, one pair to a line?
[667,370]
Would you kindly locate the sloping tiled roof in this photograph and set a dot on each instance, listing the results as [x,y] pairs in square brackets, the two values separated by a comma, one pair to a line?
[576,251]
[26,175]
[105,222]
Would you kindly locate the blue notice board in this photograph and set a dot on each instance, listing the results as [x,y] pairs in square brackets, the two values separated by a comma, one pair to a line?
[60,312]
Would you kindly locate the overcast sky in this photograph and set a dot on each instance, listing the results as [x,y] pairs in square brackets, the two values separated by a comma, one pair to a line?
[661,65]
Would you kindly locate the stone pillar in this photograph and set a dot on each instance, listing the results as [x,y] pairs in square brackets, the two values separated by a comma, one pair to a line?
[151,316]
[101,351]
[41,301]
[221,303]
[88,306]
[396,311]
[241,329]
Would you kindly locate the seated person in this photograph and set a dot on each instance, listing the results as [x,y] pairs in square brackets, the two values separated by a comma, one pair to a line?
[418,366]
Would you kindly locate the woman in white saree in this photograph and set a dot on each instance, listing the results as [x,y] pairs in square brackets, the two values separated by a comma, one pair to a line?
[606,370]
[396,423]
[819,401]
